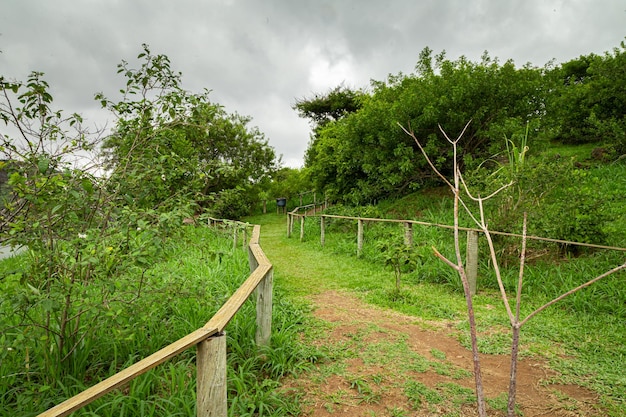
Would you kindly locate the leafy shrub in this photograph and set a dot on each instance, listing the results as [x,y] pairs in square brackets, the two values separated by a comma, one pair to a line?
[561,200]
[230,204]
[400,256]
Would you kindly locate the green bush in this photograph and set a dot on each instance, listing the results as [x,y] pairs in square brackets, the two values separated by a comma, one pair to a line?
[230,204]
[559,197]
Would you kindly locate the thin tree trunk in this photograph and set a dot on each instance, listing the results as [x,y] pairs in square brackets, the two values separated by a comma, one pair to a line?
[510,411]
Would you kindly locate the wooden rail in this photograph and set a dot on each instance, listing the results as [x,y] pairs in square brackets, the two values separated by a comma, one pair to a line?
[472,236]
[294,214]
[210,339]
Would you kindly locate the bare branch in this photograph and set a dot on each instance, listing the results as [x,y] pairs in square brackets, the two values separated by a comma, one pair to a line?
[489,196]
[496,266]
[454,142]
[580,287]
[446,260]
[432,166]
[520,278]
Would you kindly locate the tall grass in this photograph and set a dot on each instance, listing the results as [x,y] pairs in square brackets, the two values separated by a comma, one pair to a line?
[197,275]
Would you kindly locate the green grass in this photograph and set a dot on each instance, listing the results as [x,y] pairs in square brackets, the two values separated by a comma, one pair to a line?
[582,337]
[186,287]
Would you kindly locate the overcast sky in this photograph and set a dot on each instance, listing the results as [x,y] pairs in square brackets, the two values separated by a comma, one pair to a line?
[259,56]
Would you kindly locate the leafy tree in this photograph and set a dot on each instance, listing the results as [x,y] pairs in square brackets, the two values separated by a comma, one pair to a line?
[63,217]
[329,107]
[89,238]
[589,105]
[171,146]
[364,155]
[400,256]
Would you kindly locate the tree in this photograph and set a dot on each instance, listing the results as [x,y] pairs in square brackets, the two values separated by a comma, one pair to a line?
[90,238]
[329,107]
[589,103]
[364,156]
[63,216]
[171,147]
[462,197]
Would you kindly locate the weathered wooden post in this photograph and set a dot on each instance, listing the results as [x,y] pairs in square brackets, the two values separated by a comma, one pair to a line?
[211,398]
[252,260]
[359,237]
[408,234]
[302,228]
[264,309]
[235,227]
[264,296]
[245,237]
[322,230]
[471,260]
[289,220]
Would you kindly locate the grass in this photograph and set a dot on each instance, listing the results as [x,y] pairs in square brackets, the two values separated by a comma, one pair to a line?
[582,337]
[187,286]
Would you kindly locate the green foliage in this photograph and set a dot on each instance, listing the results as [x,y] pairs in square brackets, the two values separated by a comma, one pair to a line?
[90,241]
[365,156]
[230,204]
[400,256]
[172,146]
[560,199]
[334,105]
[589,104]
[180,290]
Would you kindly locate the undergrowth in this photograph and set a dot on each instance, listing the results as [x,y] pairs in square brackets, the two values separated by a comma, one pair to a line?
[194,278]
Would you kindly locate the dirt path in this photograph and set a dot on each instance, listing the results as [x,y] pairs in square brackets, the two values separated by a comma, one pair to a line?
[383,363]
[412,368]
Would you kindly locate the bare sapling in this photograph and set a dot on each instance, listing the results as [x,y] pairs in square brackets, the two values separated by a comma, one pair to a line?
[515,319]
[459,266]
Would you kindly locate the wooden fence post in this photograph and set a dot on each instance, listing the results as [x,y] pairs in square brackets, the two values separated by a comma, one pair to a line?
[252,260]
[471,260]
[211,398]
[234,237]
[359,237]
[289,224]
[408,234]
[322,230]
[264,309]
[301,228]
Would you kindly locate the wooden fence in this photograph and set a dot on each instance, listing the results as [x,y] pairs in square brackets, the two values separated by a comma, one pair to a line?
[471,262]
[210,340]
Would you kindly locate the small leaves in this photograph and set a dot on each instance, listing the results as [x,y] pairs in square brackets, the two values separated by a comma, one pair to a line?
[43,164]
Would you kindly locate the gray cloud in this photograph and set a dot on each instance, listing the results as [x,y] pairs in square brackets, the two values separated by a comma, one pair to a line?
[257,57]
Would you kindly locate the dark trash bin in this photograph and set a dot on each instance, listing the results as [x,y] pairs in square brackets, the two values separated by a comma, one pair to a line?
[281,204]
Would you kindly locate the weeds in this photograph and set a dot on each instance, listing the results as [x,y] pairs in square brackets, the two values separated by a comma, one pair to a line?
[187,290]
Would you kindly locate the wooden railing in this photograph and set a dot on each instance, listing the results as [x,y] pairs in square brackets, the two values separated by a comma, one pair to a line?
[472,236]
[210,341]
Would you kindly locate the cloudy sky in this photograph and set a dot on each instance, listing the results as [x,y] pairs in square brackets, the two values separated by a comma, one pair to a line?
[259,56]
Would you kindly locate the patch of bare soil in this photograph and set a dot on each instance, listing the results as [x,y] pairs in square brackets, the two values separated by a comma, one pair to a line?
[383,363]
